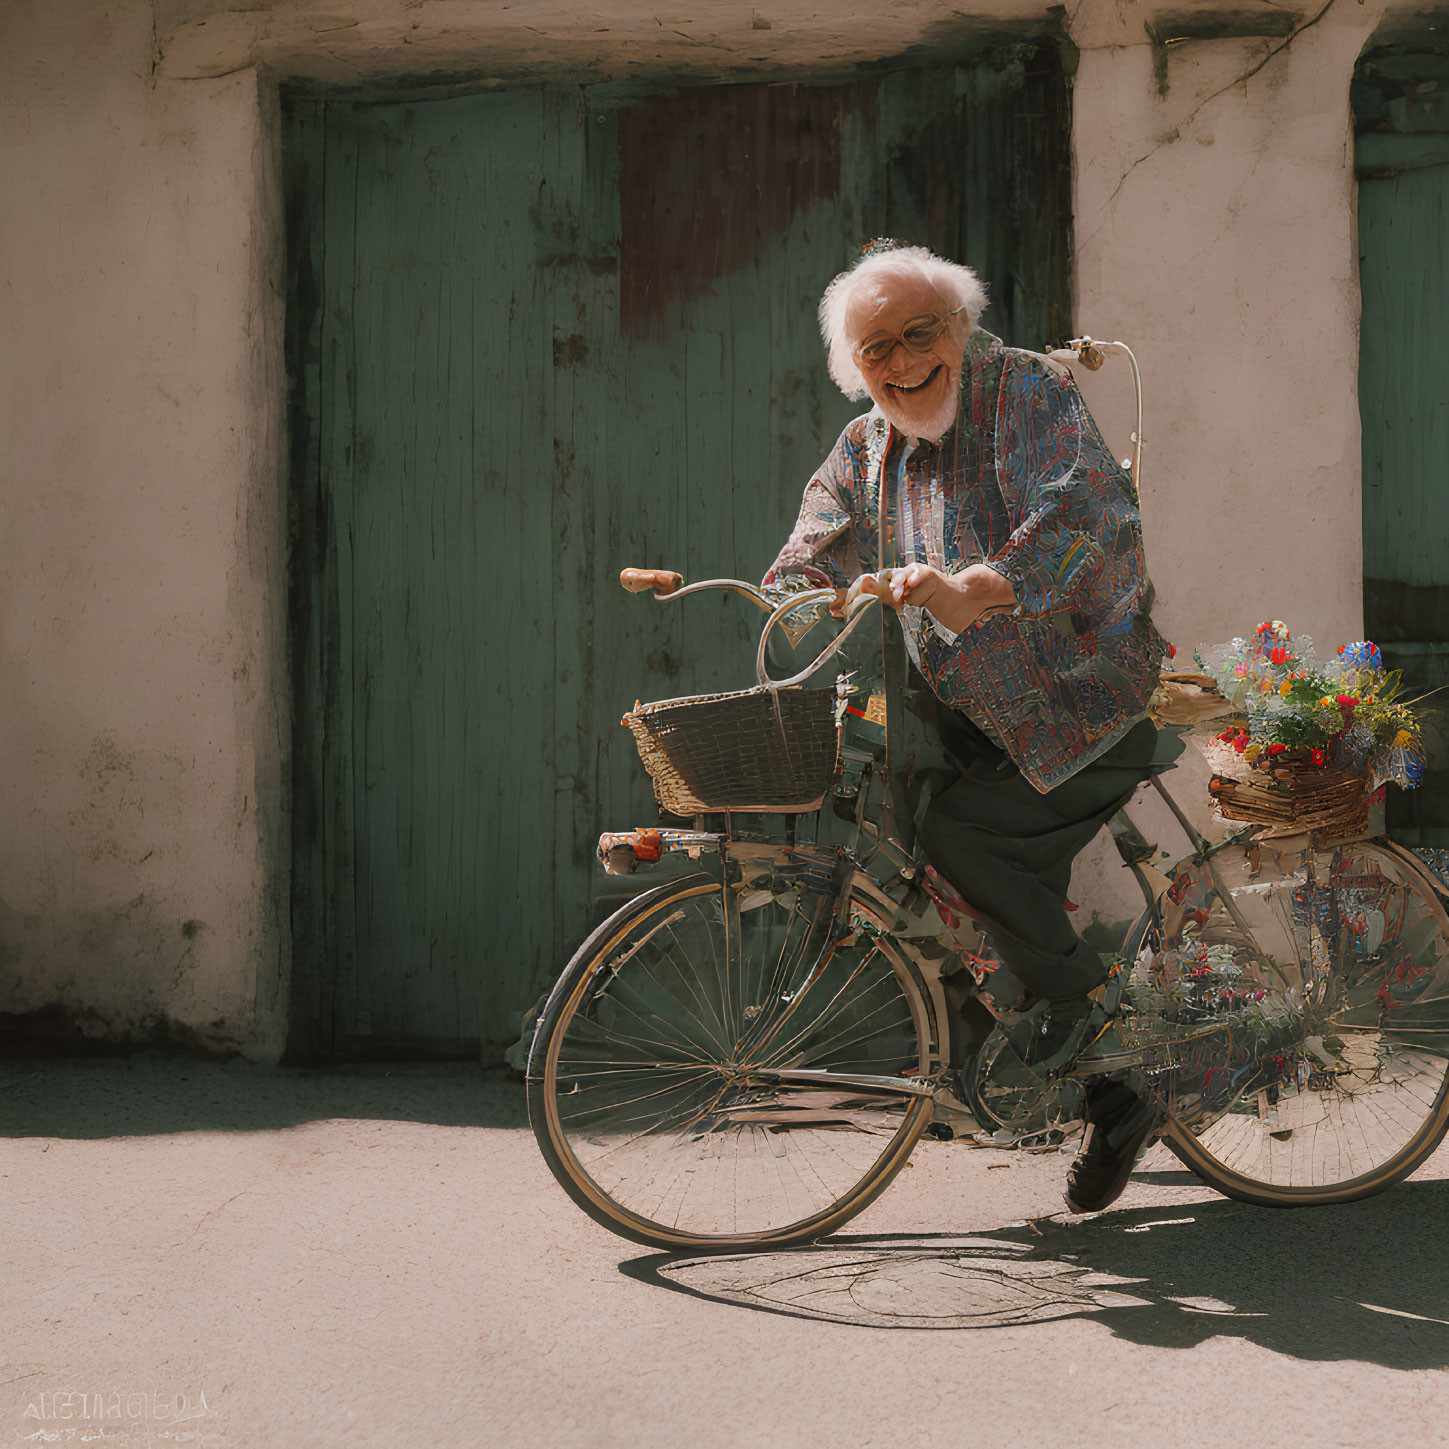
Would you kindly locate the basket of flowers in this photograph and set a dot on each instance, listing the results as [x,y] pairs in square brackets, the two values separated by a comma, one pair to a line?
[1313,742]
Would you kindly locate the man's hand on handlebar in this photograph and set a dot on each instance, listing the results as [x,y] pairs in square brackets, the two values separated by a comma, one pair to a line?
[956,600]
[867,586]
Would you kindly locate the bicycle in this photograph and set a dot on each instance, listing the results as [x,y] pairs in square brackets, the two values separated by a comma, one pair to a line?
[747,1054]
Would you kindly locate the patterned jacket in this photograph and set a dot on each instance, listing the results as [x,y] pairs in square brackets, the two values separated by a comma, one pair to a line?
[1023,482]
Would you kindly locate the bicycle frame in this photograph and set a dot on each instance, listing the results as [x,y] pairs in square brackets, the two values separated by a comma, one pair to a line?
[876,863]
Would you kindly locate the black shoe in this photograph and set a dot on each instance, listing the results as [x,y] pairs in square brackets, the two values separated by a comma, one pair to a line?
[1119,1123]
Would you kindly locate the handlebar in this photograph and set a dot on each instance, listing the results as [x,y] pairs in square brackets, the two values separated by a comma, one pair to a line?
[663,581]
[668,586]
[793,602]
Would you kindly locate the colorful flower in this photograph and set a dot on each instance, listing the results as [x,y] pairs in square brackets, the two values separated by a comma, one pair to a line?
[1346,713]
[1364,654]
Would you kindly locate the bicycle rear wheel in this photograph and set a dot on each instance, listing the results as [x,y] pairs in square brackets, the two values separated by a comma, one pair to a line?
[650,1083]
[1352,943]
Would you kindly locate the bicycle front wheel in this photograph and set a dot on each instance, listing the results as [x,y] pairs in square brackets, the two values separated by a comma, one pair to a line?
[670,1081]
[1354,943]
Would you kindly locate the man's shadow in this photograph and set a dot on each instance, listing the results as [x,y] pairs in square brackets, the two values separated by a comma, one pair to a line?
[1367,1281]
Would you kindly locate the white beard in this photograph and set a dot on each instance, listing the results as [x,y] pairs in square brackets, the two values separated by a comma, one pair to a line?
[932,427]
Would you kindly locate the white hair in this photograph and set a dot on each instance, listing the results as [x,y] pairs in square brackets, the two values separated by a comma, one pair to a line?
[958,284]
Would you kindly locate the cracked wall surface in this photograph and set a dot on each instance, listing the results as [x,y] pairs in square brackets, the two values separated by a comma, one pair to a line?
[143,844]
[1215,222]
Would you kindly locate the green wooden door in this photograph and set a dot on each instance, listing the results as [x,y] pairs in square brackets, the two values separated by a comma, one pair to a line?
[536,336]
[1401,113]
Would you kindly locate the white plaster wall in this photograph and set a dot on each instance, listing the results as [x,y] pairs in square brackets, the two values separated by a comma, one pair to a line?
[1215,234]
[140,537]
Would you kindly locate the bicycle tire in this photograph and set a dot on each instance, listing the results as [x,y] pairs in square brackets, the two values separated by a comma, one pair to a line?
[1363,1098]
[709,1161]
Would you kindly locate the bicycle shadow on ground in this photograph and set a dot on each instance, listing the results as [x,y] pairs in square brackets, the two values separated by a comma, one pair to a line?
[1366,1281]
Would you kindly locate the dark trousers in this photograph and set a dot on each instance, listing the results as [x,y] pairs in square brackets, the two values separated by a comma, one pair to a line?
[1008,848]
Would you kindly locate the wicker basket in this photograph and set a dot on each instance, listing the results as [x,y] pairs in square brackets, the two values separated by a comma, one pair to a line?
[1291,796]
[756,749]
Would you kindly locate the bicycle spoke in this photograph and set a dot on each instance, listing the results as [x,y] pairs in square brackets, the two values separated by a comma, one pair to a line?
[714,1040]
[862,1028]
[612,1034]
[782,1049]
[799,996]
[695,978]
[750,1044]
[614,1106]
[652,1090]
[1363,950]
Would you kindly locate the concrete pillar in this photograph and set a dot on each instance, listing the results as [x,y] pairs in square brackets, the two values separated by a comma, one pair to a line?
[1215,233]
[142,589]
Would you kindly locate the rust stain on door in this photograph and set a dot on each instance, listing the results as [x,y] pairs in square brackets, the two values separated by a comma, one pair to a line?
[708,177]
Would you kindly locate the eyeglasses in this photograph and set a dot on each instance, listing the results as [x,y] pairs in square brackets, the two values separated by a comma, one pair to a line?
[918,337]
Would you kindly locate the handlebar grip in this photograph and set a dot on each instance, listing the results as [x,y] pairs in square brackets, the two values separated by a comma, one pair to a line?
[661,581]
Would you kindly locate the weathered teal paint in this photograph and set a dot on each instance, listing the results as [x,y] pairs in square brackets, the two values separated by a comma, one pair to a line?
[536,336]
[1401,112]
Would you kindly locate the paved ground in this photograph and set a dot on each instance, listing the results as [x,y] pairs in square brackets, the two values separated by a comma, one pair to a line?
[378,1257]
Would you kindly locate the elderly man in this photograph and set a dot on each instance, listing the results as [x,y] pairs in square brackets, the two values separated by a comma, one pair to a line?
[1011,544]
